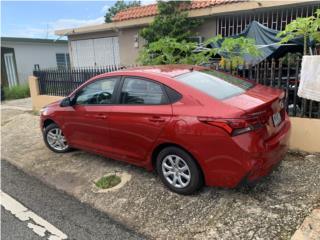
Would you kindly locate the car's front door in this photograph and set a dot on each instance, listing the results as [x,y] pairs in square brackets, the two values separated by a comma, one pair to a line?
[139,118]
[87,123]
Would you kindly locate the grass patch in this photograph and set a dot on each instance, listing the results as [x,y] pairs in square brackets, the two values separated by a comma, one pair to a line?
[16,92]
[35,112]
[108,181]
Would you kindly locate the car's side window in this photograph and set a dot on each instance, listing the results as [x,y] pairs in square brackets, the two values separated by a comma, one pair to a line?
[98,92]
[139,91]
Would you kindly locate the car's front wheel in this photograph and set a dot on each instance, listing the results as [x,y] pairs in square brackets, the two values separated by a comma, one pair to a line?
[54,139]
[179,171]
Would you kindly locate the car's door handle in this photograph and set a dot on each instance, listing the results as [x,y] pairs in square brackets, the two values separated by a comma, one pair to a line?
[100,116]
[156,119]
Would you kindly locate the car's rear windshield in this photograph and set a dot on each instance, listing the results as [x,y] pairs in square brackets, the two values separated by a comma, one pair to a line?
[216,84]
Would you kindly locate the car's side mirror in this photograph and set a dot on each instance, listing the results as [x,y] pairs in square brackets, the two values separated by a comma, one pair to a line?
[66,102]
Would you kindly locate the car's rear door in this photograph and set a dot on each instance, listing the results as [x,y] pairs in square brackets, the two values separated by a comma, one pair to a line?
[86,123]
[137,120]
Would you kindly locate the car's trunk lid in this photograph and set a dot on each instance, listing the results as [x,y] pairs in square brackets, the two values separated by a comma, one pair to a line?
[264,103]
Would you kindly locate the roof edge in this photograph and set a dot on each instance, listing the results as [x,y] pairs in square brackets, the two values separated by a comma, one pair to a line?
[105,26]
[35,40]
[203,12]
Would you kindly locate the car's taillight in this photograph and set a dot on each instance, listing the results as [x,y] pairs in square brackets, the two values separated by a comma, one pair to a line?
[233,126]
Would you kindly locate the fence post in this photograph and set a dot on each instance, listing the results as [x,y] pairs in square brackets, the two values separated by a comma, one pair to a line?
[296,87]
[250,72]
[265,72]
[279,73]
[258,73]
[287,83]
[34,86]
[273,66]
[310,108]
[34,89]
[303,107]
[243,69]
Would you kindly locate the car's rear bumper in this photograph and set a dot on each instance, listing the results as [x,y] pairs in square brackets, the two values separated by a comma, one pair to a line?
[267,161]
[253,162]
[276,149]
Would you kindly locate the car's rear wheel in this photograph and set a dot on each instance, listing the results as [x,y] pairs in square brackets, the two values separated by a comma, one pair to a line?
[179,171]
[54,139]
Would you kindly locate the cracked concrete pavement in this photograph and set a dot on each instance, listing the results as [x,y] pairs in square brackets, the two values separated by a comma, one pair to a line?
[272,209]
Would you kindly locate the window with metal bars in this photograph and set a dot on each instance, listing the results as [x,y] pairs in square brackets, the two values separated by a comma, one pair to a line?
[63,60]
[229,25]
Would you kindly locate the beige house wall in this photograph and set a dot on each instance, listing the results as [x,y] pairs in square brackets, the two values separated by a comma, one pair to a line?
[128,50]
[305,132]
[208,28]
[128,46]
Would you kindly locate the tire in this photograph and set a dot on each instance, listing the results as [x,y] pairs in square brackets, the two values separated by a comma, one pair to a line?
[170,176]
[49,131]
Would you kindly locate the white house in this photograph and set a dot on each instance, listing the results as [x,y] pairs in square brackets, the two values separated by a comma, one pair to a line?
[20,56]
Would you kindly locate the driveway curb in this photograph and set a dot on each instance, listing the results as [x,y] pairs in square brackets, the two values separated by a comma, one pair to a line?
[310,228]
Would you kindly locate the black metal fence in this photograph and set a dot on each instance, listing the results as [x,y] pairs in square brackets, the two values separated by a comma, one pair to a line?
[283,74]
[61,82]
[275,73]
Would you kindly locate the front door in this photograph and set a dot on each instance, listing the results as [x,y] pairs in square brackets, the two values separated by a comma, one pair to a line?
[138,120]
[86,124]
[10,69]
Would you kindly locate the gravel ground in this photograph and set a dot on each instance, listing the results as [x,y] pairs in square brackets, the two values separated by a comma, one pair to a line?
[19,103]
[273,209]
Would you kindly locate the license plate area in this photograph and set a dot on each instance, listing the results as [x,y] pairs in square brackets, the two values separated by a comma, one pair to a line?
[276,118]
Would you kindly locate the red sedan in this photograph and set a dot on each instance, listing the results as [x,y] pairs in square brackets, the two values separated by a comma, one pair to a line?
[193,125]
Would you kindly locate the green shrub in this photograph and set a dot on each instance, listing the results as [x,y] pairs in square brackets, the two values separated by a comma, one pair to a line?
[16,92]
[170,51]
[108,181]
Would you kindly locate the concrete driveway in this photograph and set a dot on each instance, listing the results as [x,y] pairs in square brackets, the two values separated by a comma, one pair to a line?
[273,209]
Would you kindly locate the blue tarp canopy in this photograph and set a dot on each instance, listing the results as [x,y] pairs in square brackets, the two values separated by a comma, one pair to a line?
[266,40]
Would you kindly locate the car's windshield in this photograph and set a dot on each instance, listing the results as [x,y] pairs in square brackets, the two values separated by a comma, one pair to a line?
[216,84]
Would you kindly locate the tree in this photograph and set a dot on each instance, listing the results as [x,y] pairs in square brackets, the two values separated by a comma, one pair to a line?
[168,41]
[308,28]
[170,22]
[119,6]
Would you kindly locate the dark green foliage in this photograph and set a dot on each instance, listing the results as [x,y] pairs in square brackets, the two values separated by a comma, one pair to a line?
[170,51]
[170,22]
[117,7]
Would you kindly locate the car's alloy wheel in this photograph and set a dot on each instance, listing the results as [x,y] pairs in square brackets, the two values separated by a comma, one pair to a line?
[55,139]
[178,170]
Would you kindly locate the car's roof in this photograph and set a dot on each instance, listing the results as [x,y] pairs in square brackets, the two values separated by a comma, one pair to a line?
[171,70]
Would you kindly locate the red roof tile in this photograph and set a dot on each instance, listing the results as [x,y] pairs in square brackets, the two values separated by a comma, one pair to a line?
[151,10]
